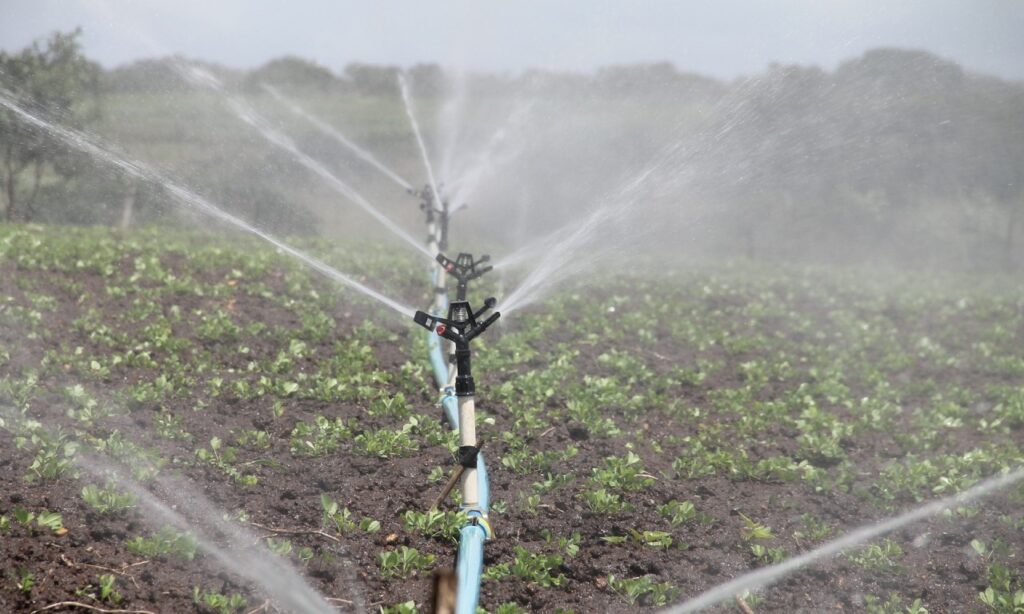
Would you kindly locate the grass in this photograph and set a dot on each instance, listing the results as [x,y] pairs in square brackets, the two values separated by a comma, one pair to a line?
[636,408]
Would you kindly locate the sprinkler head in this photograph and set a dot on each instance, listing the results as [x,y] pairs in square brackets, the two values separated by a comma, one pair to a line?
[464,269]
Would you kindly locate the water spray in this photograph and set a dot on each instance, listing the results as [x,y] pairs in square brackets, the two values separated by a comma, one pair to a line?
[94,147]
[329,130]
[769,575]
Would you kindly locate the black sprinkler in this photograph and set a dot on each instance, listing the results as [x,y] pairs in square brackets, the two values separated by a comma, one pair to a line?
[435,211]
[464,269]
[460,327]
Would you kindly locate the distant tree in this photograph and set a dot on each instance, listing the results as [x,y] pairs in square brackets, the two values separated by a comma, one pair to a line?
[370,79]
[290,72]
[428,79]
[163,76]
[52,78]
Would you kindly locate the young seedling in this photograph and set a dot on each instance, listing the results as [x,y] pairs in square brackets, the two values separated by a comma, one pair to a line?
[403,562]
[216,602]
[25,580]
[107,500]
[643,590]
[165,543]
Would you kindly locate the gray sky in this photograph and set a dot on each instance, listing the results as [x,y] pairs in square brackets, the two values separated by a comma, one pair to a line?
[724,38]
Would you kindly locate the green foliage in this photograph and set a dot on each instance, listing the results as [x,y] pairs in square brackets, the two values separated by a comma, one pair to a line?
[678,512]
[435,523]
[25,580]
[108,500]
[320,438]
[643,591]
[601,501]
[1005,592]
[386,443]
[622,473]
[165,543]
[530,567]
[403,562]
[52,78]
[406,607]
[216,602]
[753,530]
[893,605]
[878,557]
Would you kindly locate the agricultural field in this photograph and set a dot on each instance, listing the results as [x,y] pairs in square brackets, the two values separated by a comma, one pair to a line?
[648,437]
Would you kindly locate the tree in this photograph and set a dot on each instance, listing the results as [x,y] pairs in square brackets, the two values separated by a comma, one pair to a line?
[369,79]
[51,78]
[291,72]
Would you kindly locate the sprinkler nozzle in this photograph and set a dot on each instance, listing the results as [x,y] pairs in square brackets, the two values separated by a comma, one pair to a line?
[464,269]
[440,329]
[425,320]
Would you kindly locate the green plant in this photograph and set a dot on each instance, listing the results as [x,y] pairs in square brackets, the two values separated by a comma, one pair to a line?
[678,512]
[107,592]
[385,443]
[406,607]
[642,590]
[403,562]
[216,602]
[281,547]
[107,500]
[601,501]
[878,557]
[813,529]
[225,461]
[893,605]
[320,438]
[753,530]
[767,556]
[569,545]
[167,542]
[435,523]
[1004,593]
[25,580]
[535,568]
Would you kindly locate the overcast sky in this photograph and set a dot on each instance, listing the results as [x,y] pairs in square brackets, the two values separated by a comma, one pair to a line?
[724,38]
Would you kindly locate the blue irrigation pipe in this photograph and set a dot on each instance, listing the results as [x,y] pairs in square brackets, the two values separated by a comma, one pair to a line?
[470,565]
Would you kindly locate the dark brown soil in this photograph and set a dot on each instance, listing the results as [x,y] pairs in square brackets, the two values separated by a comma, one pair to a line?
[938,565]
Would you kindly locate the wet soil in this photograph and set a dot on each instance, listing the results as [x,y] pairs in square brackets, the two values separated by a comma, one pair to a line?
[938,565]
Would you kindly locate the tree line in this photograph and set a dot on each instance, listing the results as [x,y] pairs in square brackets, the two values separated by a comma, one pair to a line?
[890,145]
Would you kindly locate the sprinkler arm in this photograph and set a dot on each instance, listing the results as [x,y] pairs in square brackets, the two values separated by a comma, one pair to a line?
[464,269]
[460,327]
[459,332]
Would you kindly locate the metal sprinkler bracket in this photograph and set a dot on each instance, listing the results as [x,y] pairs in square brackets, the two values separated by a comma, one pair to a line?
[464,269]
[461,327]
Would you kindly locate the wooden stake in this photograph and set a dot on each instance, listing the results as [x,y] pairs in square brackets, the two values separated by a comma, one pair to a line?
[452,481]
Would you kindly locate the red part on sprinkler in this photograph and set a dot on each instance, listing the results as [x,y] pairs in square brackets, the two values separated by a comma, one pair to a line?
[440,329]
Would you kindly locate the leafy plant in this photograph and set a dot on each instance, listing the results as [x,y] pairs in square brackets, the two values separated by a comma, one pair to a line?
[535,568]
[642,590]
[753,530]
[403,562]
[435,523]
[107,500]
[165,543]
[878,557]
[216,602]
[678,512]
[601,501]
